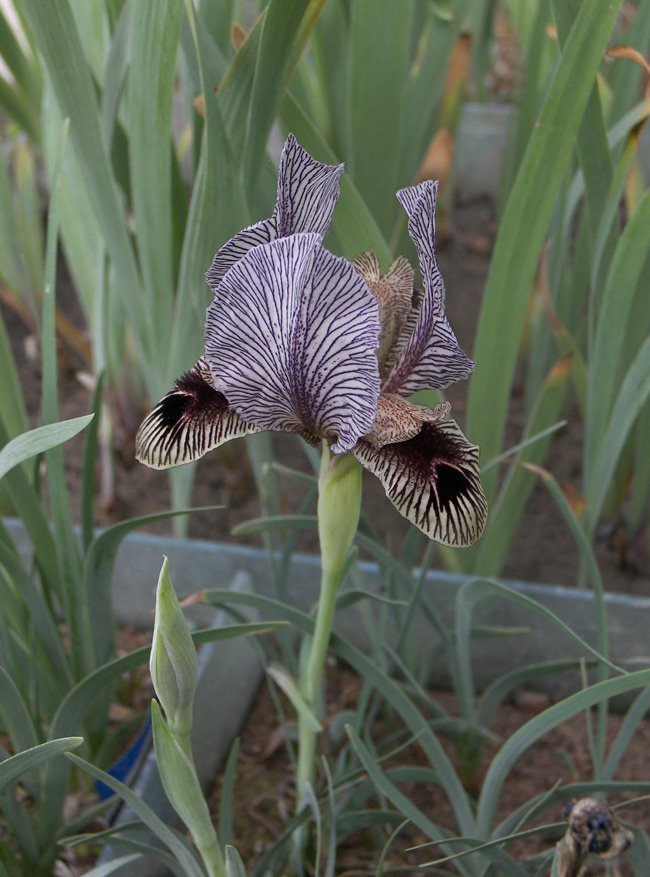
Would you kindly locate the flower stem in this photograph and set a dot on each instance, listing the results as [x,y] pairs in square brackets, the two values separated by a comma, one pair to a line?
[313,676]
[339,505]
[181,783]
[213,860]
[205,835]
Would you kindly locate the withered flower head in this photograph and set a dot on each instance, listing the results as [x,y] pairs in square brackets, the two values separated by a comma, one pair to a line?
[593,828]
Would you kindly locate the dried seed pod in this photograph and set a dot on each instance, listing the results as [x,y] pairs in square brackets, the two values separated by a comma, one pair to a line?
[593,828]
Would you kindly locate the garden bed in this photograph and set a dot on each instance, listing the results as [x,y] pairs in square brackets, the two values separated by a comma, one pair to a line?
[543,551]
[264,791]
[264,797]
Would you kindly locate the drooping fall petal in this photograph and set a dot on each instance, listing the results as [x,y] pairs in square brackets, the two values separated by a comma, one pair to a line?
[188,422]
[431,356]
[398,420]
[307,194]
[433,480]
[290,341]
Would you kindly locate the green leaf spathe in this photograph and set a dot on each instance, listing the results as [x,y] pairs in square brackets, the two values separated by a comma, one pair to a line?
[173,663]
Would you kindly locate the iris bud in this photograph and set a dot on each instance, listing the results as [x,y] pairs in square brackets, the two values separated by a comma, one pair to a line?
[173,663]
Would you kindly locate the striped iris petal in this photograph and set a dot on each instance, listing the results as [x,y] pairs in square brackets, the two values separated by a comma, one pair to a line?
[307,194]
[433,480]
[291,338]
[307,191]
[188,422]
[431,357]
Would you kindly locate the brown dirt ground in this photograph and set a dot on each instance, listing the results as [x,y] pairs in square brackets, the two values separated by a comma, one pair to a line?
[264,793]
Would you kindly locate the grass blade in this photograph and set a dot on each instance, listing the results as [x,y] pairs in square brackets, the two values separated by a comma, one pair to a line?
[10,270]
[423,91]
[18,107]
[217,210]
[497,691]
[506,865]
[91,448]
[179,847]
[286,26]
[632,395]
[234,864]
[155,34]
[12,768]
[16,719]
[110,867]
[227,795]
[288,685]
[74,604]
[379,39]
[24,68]
[522,229]
[27,207]
[58,40]
[604,375]
[39,440]
[41,617]
[506,513]
[29,508]
[386,787]
[627,730]
[536,728]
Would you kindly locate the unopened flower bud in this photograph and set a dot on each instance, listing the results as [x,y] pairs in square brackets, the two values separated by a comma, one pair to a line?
[173,663]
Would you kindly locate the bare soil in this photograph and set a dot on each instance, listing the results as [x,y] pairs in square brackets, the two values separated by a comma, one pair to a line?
[264,799]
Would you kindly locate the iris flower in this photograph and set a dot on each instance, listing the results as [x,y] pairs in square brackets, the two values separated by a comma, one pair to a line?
[300,340]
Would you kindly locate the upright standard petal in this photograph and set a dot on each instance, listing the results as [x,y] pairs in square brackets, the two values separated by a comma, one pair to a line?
[307,194]
[291,339]
[433,480]
[431,356]
[188,422]
[307,191]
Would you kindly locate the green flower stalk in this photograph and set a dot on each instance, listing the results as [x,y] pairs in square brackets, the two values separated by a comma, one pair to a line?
[339,505]
[174,672]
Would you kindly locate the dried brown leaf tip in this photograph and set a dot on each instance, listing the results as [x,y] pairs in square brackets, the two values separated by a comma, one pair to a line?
[593,828]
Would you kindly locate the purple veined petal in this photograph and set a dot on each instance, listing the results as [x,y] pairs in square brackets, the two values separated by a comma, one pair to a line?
[433,480]
[237,247]
[307,193]
[431,356]
[188,422]
[336,348]
[291,341]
